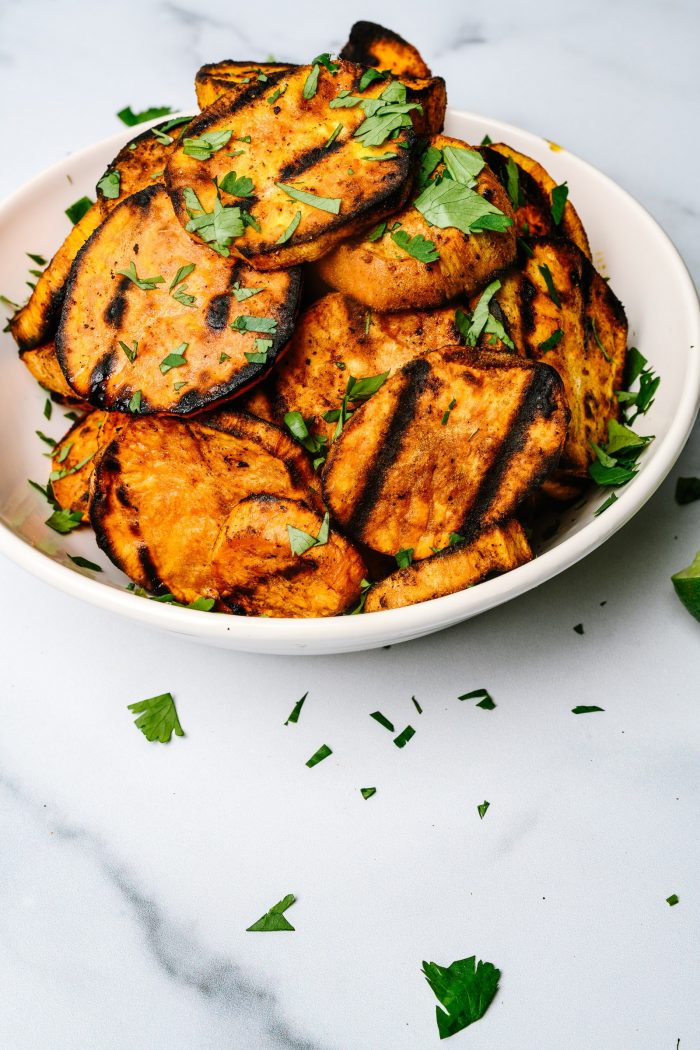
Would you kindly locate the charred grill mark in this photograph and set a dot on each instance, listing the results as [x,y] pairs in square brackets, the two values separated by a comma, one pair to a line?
[363,37]
[116,307]
[123,497]
[304,161]
[218,312]
[525,299]
[537,401]
[227,104]
[416,373]
[99,376]
[154,582]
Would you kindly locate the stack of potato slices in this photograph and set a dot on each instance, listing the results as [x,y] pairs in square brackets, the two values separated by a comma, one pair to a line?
[325,358]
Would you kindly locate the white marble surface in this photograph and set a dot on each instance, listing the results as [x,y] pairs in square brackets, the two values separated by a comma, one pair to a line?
[129,871]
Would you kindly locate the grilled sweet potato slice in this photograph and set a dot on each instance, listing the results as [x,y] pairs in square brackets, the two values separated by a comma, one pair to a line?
[228,77]
[385,276]
[36,322]
[337,338]
[497,549]
[533,210]
[73,462]
[43,365]
[256,571]
[163,488]
[370,44]
[292,145]
[140,163]
[185,353]
[450,444]
[583,336]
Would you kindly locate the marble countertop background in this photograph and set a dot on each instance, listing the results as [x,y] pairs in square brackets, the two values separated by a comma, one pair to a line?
[129,872]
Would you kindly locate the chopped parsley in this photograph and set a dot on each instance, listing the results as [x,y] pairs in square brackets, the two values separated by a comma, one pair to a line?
[242,294]
[46,439]
[284,237]
[404,557]
[313,443]
[146,284]
[181,295]
[417,706]
[203,147]
[549,281]
[248,323]
[383,721]
[157,718]
[612,498]
[128,117]
[481,809]
[160,132]
[585,709]
[446,413]
[296,710]
[311,83]
[334,135]
[83,563]
[219,227]
[465,990]
[420,248]
[273,920]
[318,756]
[368,792]
[513,182]
[404,736]
[130,351]
[78,209]
[236,185]
[135,402]
[451,203]
[48,408]
[385,115]
[616,462]
[109,184]
[642,399]
[355,391]
[485,700]
[377,232]
[259,356]
[175,359]
[553,340]
[687,490]
[430,158]
[301,541]
[64,521]
[486,141]
[365,586]
[559,195]
[329,204]
[594,330]
[464,165]
[673,899]
[381,156]
[277,93]
[482,321]
[370,75]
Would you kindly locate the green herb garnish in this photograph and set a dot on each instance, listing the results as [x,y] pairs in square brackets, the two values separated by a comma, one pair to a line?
[146,284]
[368,792]
[109,184]
[135,402]
[673,899]
[274,920]
[283,238]
[485,700]
[301,541]
[236,185]
[83,563]
[446,414]
[554,339]
[203,147]
[296,710]
[404,736]
[277,93]
[377,232]
[585,709]
[64,521]
[594,330]
[549,281]
[420,248]
[219,227]
[176,359]
[383,721]
[157,718]
[559,195]
[513,182]
[248,323]
[128,117]
[465,989]
[481,809]
[404,557]
[46,439]
[329,204]
[318,756]
[78,209]
[452,204]
[130,351]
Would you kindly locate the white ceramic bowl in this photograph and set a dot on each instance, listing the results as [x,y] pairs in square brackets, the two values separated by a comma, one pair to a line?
[646,272]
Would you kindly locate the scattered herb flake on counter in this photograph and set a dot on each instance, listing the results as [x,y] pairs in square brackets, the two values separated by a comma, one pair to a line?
[404,557]
[404,736]
[128,117]
[296,710]
[157,718]
[146,284]
[687,490]
[673,899]
[130,351]
[578,628]
[559,195]
[383,721]
[202,147]
[465,989]
[329,204]
[485,700]
[110,184]
[585,709]
[368,792]
[274,920]
[318,756]
[283,238]
[481,809]
[83,563]
[420,248]
[64,521]
[417,706]
[78,209]
[549,281]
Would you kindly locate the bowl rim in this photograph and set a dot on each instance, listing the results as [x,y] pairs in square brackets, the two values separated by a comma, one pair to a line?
[346,633]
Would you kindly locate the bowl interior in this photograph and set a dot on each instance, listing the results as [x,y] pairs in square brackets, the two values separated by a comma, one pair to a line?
[628,247]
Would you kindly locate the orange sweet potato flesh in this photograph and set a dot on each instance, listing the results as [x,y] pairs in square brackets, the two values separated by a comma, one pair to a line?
[290,146]
[229,77]
[141,162]
[497,549]
[43,365]
[371,44]
[163,488]
[104,309]
[451,443]
[256,572]
[382,275]
[73,462]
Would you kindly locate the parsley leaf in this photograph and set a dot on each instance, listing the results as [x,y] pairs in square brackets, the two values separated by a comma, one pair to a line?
[356,390]
[612,498]
[78,209]
[64,521]
[585,709]
[219,227]
[135,402]
[146,284]
[404,736]
[482,695]
[318,756]
[157,718]
[673,899]
[446,413]
[176,359]
[45,438]
[383,721]
[385,115]
[313,443]
[404,557]
[465,989]
[368,792]
[301,541]
[284,237]
[452,204]
[160,131]
[430,158]
[370,75]
[377,232]
[334,135]
[513,182]
[128,117]
[559,195]
[463,164]
[259,357]
[110,184]
[236,185]
[48,408]
[643,398]
[83,563]
[296,710]
[329,204]
[248,323]
[242,294]
[202,147]
[481,809]
[549,281]
[277,93]
[554,339]
[594,330]
[311,83]
[420,248]
[274,920]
